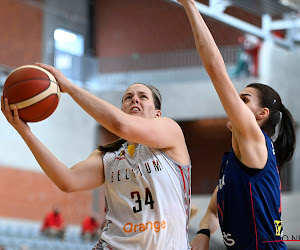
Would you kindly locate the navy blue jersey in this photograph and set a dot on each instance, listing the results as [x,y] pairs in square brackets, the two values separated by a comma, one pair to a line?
[249,205]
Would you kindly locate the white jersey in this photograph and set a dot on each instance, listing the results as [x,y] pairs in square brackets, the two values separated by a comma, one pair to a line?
[148,200]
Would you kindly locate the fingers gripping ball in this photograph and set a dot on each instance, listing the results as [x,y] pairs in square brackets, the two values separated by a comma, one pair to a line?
[34,91]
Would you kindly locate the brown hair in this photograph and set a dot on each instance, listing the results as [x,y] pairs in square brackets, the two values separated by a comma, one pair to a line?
[285,142]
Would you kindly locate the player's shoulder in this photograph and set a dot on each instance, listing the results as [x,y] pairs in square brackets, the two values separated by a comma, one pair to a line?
[96,153]
[169,123]
[96,157]
[166,119]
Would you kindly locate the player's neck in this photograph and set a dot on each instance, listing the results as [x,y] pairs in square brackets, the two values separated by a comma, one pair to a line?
[131,143]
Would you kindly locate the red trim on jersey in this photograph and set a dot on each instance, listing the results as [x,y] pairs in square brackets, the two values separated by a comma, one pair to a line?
[189,179]
[185,197]
[182,177]
[220,210]
[279,241]
[280,190]
[253,216]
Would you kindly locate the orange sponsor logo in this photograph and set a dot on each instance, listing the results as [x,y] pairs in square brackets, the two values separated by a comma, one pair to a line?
[156,226]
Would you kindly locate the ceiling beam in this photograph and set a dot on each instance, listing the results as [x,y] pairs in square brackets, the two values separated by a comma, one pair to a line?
[227,19]
[265,32]
[286,23]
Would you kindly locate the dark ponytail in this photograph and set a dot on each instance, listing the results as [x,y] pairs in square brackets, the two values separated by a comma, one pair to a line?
[285,142]
[286,139]
[111,147]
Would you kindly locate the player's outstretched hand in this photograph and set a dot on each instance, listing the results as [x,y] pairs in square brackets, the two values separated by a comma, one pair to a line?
[13,118]
[200,242]
[61,79]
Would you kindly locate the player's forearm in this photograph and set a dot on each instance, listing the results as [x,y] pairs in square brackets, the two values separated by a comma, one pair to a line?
[204,41]
[212,60]
[209,221]
[103,112]
[53,168]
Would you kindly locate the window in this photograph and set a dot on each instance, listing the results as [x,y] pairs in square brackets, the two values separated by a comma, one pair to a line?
[68,54]
[69,42]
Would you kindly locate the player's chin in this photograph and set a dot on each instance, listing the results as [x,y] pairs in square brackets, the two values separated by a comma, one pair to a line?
[229,125]
[135,113]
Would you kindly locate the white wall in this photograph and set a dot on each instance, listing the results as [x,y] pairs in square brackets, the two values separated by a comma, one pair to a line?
[69,133]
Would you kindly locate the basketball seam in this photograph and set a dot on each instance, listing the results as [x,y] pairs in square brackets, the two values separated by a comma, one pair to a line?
[17,103]
[50,75]
[29,80]
[48,108]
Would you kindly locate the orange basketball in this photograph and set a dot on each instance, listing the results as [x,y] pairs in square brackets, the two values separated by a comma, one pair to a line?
[34,91]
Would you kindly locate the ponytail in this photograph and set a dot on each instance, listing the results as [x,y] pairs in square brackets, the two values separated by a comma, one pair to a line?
[286,139]
[111,147]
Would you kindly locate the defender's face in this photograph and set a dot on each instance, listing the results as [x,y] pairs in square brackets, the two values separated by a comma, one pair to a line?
[250,97]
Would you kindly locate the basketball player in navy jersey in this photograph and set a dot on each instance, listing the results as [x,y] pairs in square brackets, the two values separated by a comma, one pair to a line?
[247,200]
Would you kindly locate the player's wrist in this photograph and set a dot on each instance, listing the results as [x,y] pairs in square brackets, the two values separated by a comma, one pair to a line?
[70,88]
[204,231]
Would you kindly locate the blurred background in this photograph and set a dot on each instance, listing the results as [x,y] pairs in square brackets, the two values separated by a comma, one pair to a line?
[104,46]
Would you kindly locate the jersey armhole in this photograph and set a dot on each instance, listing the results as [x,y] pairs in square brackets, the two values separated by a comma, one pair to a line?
[250,171]
[247,170]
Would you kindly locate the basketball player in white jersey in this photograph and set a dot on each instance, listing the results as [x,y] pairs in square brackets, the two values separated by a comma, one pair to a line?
[146,174]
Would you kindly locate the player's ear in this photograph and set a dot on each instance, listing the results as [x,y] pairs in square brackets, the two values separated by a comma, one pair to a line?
[264,112]
[158,113]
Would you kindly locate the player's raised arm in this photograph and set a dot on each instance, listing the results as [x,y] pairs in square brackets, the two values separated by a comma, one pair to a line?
[239,115]
[129,123]
[244,122]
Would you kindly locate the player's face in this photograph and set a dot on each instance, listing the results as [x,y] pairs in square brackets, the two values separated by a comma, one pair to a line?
[138,100]
[250,97]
